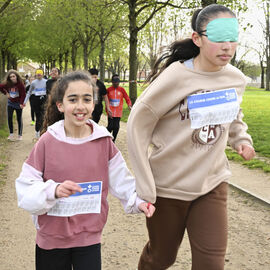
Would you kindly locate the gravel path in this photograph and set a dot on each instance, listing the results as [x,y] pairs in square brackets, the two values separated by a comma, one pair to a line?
[125,235]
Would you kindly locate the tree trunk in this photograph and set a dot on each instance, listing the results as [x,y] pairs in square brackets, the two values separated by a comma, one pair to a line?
[47,67]
[66,62]
[267,86]
[3,110]
[85,56]
[50,64]
[101,56]
[262,74]
[267,77]
[60,62]
[133,41]
[13,60]
[3,67]
[73,55]
[8,61]
[101,61]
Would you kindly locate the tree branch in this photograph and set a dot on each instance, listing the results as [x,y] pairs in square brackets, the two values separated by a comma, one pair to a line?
[156,9]
[5,5]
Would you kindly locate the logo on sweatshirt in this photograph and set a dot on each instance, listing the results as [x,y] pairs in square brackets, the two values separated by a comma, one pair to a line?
[207,135]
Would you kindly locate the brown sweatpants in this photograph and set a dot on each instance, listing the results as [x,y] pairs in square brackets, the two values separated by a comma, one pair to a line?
[206,222]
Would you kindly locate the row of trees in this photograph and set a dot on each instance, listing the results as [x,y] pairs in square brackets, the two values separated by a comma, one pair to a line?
[113,35]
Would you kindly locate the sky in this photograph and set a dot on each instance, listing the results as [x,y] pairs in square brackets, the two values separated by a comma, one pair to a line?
[253,35]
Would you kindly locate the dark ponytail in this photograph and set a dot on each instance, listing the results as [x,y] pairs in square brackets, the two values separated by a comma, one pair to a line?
[183,50]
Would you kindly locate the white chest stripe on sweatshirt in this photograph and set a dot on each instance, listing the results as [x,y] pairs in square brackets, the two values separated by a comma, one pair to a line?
[213,108]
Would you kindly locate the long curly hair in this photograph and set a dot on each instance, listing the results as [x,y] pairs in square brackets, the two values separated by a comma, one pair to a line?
[52,114]
[7,81]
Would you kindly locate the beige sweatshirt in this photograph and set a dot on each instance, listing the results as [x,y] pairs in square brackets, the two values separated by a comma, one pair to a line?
[183,163]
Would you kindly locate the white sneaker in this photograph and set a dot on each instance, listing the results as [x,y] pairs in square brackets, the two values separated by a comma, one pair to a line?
[11,137]
[19,138]
[37,134]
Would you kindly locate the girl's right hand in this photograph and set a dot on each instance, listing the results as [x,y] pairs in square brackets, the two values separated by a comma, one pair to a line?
[66,189]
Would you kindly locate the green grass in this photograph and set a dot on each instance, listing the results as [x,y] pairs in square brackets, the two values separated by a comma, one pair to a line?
[3,133]
[251,164]
[125,107]
[256,109]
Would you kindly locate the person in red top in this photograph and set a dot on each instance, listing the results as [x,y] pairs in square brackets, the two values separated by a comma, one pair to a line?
[13,87]
[115,95]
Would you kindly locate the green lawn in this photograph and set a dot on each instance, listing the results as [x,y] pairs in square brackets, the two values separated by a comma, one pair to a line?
[256,108]
[125,107]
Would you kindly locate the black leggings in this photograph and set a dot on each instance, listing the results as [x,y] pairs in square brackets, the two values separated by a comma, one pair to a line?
[81,258]
[10,111]
[113,126]
[38,107]
[96,114]
[32,110]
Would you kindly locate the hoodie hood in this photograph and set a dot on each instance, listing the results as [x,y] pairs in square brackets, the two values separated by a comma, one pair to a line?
[57,130]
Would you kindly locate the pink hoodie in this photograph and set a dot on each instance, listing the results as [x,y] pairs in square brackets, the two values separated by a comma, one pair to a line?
[56,158]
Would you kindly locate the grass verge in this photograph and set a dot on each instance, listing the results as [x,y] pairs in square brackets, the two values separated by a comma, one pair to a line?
[3,156]
[256,163]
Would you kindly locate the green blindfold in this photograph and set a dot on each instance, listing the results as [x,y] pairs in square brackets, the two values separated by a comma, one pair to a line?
[222,29]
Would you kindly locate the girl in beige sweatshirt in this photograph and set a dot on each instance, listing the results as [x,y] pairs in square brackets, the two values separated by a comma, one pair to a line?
[189,113]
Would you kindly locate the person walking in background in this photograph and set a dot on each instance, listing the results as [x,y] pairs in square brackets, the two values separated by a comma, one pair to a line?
[116,94]
[27,81]
[70,206]
[55,74]
[189,112]
[101,95]
[38,89]
[32,112]
[13,87]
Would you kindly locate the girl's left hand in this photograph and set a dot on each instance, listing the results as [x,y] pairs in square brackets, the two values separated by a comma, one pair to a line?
[147,208]
[246,151]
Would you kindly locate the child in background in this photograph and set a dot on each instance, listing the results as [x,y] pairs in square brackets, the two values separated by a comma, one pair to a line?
[65,181]
[31,101]
[101,95]
[115,95]
[188,113]
[54,75]
[13,87]
[38,90]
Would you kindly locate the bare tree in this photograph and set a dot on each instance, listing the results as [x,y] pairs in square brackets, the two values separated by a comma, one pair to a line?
[267,49]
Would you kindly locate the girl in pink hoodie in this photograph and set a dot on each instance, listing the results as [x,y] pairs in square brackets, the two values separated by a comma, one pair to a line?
[65,181]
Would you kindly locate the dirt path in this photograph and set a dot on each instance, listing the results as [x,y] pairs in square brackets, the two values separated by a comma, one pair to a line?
[125,235]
